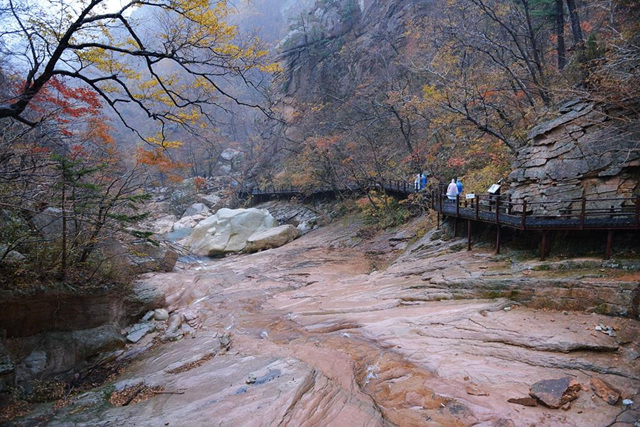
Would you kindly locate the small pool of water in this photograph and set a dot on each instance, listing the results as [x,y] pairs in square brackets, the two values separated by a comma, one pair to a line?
[178,234]
[194,259]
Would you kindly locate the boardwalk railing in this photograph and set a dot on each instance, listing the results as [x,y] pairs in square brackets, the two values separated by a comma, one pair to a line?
[397,187]
[622,213]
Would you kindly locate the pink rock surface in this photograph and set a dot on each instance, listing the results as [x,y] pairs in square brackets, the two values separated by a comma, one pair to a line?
[329,338]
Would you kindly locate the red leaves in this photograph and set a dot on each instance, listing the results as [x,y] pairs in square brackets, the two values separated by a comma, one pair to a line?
[63,103]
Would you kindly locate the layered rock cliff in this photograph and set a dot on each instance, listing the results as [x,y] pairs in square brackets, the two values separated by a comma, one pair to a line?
[588,150]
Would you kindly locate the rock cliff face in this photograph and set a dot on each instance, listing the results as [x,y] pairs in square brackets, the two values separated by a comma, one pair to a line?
[47,335]
[589,151]
[337,46]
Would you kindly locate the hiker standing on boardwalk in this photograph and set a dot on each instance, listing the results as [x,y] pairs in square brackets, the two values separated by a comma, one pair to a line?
[423,180]
[452,190]
[459,185]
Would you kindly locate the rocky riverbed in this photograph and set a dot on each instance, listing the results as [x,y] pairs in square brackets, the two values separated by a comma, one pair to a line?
[333,329]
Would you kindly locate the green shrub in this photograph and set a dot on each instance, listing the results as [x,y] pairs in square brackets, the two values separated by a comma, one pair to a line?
[382,211]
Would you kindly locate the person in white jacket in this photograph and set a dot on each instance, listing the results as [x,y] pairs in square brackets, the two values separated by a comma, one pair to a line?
[452,190]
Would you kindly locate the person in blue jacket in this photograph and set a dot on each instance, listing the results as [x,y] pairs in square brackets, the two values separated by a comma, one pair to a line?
[423,180]
[459,184]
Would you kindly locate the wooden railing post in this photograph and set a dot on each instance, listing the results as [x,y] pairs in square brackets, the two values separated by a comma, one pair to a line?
[497,224]
[457,205]
[607,253]
[637,212]
[477,200]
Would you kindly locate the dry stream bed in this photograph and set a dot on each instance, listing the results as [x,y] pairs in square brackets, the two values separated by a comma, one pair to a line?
[311,334]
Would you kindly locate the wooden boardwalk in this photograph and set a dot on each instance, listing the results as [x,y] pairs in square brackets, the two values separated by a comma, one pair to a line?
[396,188]
[607,214]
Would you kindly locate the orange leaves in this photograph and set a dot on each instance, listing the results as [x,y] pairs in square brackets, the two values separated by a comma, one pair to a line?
[157,158]
[324,143]
[200,183]
[456,162]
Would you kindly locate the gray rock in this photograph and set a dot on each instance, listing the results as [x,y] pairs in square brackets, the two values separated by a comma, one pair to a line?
[143,298]
[163,225]
[33,365]
[138,331]
[49,223]
[545,127]
[196,209]
[211,200]
[229,154]
[147,257]
[11,255]
[6,364]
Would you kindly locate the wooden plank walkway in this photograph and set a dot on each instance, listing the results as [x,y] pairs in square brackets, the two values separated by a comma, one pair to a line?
[607,214]
[395,187]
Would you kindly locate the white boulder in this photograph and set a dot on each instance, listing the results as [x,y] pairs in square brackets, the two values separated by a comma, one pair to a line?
[271,238]
[228,230]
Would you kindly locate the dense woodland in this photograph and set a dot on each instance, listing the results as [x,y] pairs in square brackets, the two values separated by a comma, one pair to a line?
[101,103]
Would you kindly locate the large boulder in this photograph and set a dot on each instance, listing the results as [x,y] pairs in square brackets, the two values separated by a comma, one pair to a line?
[228,231]
[212,201]
[54,353]
[271,238]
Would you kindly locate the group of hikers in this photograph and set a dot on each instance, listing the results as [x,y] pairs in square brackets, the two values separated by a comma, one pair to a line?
[453,190]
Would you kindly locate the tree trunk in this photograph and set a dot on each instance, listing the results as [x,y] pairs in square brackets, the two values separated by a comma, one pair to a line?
[63,264]
[575,24]
[562,53]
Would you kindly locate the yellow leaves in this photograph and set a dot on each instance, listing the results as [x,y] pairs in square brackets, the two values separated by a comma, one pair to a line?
[108,62]
[187,116]
[160,141]
[273,68]
[431,92]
